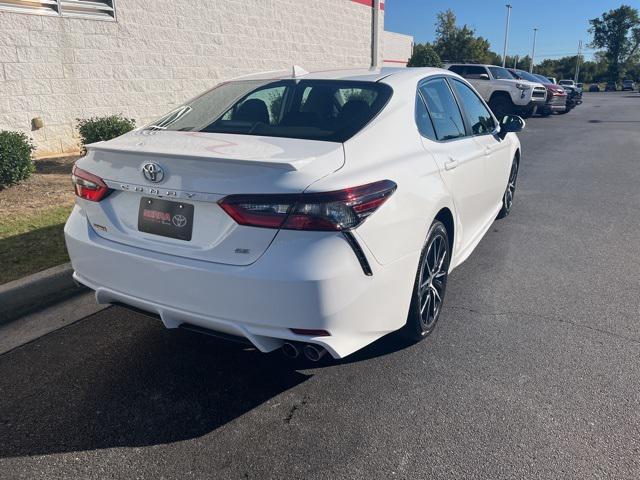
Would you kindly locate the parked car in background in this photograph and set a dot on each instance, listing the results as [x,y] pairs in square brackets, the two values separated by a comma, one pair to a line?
[594,87]
[571,84]
[574,97]
[611,87]
[313,212]
[502,91]
[556,95]
[628,85]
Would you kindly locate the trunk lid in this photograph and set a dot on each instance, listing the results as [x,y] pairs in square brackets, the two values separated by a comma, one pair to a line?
[198,169]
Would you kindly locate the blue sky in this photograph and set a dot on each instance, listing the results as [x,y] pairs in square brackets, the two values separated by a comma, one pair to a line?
[561,24]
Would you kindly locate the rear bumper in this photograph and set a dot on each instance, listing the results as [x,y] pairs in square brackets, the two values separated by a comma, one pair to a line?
[306,280]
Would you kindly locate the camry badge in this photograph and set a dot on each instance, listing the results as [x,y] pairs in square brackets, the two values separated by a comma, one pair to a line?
[153,172]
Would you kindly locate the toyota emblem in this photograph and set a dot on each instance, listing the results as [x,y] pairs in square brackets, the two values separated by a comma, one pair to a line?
[153,172]
[179,220]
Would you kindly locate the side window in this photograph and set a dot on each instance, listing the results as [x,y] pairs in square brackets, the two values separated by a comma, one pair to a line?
[459,69]
[441,104]
[425,127]
[477,115]
[474,71]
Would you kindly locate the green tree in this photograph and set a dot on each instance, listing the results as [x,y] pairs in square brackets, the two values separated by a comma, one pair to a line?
[618,33]
[522,63]
[459,44]
[424,55]
[593,71]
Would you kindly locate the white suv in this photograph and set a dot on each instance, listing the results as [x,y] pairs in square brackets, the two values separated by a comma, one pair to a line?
[570,83]
[504,93]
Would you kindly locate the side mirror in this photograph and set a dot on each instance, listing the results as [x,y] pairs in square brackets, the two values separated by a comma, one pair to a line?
[511,123]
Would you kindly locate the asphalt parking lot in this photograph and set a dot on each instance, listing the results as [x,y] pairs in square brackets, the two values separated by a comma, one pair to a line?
[533,371]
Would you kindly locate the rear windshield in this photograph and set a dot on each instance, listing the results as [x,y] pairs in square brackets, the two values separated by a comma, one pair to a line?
[328,110]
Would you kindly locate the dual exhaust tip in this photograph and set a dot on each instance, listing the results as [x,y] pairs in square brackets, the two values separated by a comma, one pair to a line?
[313,352]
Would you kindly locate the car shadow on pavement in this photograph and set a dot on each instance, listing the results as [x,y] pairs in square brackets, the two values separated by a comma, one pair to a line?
[125,381]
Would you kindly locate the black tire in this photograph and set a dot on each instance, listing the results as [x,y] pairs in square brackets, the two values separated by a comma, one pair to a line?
[565,111]
[428,293]
[501,106]
[528,113]
[510,191]
[545,112]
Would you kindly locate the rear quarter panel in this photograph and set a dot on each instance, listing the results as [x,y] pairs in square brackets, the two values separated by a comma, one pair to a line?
[390,148]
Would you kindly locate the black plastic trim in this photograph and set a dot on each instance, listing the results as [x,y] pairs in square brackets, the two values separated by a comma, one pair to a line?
[357,249]
[213,333]
[188,326]
[137,310]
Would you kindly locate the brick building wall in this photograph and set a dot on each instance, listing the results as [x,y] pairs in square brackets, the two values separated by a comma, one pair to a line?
[396,49]
[159,53]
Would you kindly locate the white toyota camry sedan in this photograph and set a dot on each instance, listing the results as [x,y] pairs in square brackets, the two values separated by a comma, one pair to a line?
[312,212]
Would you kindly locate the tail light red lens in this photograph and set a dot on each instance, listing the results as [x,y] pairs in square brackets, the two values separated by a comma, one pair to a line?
[88,186]
[330,211]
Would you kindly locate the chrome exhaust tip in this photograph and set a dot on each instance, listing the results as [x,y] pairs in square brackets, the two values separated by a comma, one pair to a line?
[290,350]
[313,352]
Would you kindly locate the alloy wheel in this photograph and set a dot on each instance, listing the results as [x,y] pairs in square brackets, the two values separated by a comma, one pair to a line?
[433,280]
[511,187]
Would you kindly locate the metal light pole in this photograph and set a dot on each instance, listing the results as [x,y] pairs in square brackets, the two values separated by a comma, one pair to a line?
[375,37]
[506,36]
[533,52]
[578,62]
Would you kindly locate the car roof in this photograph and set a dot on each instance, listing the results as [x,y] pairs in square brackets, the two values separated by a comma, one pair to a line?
[472,64]
[362,74]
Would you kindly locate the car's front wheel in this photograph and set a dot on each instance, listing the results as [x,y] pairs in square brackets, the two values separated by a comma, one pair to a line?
[430,284]
[510,191]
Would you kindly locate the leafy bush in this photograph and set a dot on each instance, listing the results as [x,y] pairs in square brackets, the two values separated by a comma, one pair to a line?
[97,129]
[424,55]
[15,158]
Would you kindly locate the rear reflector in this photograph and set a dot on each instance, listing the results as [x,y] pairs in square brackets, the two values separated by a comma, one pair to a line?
[310,332]
[330,211]
[88,186]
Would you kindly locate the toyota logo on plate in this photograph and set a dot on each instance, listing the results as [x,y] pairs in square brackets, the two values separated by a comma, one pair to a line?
[179,220]
[153,172]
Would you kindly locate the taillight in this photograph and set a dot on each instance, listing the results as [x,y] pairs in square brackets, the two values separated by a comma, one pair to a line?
[88,186]
[330,211]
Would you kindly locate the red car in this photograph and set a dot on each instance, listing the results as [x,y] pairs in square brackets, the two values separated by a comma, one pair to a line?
[556,95]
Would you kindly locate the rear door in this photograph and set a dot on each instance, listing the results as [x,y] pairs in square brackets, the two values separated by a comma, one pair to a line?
[458,155]
[483,128]
[476,75]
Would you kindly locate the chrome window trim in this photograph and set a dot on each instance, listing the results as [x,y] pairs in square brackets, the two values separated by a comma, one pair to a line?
[56,8]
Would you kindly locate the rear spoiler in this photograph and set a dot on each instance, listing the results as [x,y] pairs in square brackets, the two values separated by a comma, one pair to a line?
[287,165]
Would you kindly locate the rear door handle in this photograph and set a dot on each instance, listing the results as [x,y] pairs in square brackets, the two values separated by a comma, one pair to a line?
[450,164]
[488,150]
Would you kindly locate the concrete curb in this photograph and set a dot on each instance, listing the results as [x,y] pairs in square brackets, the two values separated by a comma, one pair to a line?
[36,291]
